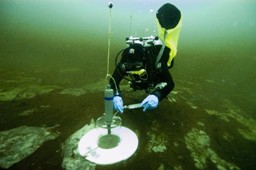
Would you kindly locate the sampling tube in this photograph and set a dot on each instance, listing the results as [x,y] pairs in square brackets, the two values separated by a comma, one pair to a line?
[109,94]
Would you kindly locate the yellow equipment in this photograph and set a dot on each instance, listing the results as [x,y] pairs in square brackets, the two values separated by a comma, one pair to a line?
[169,22]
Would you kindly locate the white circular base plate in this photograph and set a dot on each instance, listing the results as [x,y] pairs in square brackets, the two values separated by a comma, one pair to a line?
[89,148]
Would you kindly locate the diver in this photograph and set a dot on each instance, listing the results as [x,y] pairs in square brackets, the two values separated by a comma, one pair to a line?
[147,60]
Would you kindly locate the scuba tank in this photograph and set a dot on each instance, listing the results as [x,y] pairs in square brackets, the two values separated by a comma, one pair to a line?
[138,61]
[146,56]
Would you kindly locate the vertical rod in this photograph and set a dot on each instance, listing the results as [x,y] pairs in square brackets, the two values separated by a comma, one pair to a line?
[109,129]
[110,5]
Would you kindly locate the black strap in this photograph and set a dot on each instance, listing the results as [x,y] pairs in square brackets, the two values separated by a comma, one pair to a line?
[161,51]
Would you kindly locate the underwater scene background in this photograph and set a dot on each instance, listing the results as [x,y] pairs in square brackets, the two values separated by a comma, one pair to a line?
[53,63]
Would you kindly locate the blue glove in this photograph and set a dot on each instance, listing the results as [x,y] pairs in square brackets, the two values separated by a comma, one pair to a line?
[118,104]
[150,102]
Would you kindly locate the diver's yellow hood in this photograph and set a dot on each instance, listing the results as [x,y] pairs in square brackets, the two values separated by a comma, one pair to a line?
[171,38]
[169,22]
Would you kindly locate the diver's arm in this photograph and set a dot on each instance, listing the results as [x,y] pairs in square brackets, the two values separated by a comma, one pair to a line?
[117,76]
[166,79]
[117,99]
[164,87]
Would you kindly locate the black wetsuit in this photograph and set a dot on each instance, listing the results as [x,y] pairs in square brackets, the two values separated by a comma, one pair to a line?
[145,57]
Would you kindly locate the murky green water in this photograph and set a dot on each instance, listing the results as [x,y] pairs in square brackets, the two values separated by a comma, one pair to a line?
[53,57]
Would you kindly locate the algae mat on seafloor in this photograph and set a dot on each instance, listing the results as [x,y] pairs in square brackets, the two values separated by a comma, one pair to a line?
[18,143]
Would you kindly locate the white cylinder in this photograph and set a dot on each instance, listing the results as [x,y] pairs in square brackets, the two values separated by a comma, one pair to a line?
[109,94]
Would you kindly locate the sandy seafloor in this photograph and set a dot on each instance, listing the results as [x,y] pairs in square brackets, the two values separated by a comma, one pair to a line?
[52,78]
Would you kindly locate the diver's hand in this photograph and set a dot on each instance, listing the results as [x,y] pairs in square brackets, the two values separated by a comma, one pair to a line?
[149,102]
[118,104]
